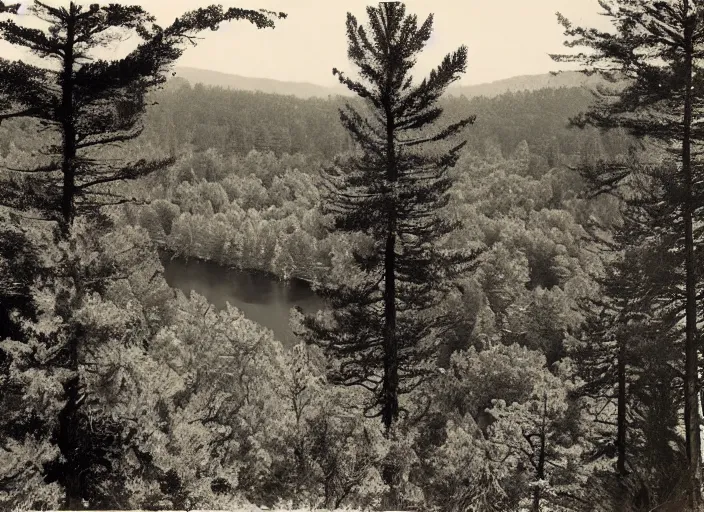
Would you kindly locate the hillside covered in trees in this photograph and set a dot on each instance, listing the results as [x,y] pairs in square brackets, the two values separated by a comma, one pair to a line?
[512,284]
[232,121]
[307,90]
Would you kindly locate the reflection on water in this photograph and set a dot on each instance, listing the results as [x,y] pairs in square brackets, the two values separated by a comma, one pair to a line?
[259,296]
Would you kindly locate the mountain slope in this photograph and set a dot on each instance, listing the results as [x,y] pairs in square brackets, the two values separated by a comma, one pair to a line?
[309,90]
[527,83]
[266,85]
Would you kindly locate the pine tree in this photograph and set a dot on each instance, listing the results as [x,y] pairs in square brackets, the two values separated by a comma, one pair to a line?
[628,357]
[92,105]
[390,194]
[653,56]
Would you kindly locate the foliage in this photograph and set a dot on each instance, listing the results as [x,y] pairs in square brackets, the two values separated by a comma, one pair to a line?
[90,103]
[652,59]
[178,405]
[391,191]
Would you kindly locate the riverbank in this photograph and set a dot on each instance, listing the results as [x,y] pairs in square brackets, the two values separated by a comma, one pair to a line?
[166,253]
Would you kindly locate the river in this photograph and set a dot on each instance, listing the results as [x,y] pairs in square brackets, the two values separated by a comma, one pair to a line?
[261,297]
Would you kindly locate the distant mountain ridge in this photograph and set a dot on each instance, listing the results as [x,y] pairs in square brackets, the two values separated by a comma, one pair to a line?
[309,90]
[266,85]
[527,83]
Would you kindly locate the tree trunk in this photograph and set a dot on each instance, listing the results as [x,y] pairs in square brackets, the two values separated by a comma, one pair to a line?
[390,384]
[390,389]
[536,499]
[621,425]
[621,410]
[390,393]
[68,425]
[68,445]
[68,128]
[691,352]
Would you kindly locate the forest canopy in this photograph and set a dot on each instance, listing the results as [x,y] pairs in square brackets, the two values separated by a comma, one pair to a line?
[511,284]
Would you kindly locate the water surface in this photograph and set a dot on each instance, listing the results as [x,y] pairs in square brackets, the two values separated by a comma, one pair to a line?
[261,297]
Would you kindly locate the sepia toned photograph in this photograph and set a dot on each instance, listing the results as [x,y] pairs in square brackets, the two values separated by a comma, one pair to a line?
[325,255]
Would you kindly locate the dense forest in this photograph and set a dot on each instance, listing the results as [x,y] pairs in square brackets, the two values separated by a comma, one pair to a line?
[512,283]
[235,122]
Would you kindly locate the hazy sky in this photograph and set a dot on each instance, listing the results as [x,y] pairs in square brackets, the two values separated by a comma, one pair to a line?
[505,38]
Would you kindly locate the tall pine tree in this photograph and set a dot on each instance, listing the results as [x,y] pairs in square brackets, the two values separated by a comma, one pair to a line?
[655,52]
[90,105]
[390,194]
[629,359]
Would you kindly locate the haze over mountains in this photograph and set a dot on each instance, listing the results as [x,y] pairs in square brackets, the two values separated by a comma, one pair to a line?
[309,90]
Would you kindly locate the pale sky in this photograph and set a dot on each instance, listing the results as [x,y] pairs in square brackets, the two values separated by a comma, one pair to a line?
[505,38]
